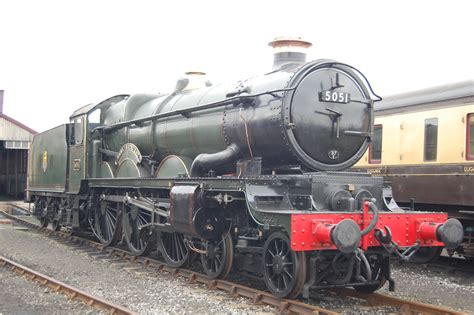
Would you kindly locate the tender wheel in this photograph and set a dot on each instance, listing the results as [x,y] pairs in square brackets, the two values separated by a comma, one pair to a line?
[41,213]
[139,240]
[57,215]
[284,270]
[44,221]
[174,250]
[217,261]
[56,225]
[107,224]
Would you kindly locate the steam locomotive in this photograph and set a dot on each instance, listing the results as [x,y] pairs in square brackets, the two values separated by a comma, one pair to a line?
[247,176]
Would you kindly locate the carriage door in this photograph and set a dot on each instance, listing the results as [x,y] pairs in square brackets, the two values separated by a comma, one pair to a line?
[77,154]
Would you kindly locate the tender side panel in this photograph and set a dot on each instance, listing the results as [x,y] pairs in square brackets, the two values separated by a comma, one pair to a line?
[48,160]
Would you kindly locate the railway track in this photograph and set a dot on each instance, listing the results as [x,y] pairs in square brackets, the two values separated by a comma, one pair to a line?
[443,264]
[236,290]
[61,287]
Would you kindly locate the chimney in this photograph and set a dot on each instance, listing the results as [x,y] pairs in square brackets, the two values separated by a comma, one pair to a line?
[1,101]
[289,50]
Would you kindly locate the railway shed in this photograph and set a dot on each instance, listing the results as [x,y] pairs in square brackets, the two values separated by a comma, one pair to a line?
[15,139]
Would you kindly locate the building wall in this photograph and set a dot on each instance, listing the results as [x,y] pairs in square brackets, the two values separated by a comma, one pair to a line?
[15,139]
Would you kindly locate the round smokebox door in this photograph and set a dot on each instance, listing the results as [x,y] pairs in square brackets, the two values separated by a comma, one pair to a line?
[330,125]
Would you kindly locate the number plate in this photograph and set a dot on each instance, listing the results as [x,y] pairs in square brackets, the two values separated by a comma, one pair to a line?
[335,97]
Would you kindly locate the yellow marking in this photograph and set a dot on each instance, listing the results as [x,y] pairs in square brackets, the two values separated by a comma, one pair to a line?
[468,169]
[44,165]
[375,170]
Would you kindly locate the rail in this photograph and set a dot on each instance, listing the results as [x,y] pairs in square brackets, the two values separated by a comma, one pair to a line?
[61,287]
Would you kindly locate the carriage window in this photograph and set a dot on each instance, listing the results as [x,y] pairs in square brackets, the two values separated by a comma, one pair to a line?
[431,139]
[78,130]
[375,149]
[470,137]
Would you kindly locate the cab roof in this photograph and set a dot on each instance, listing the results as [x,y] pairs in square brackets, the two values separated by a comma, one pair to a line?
[104,104]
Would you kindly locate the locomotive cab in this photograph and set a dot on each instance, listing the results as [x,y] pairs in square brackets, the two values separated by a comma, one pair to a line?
[82,148]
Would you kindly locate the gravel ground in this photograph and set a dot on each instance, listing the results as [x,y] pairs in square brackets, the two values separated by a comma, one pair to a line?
[417,282]
[139,290]
[19,295]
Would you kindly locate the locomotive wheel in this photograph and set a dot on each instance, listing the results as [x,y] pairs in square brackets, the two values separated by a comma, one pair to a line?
[378,273]
[107,225]
[367,289]
[425,255]
[56,225]
[139,241]
[284,270]
[174,250]
[219,256]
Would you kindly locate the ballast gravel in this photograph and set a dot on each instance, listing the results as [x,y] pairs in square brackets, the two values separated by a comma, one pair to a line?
[424,284]
[19,295]
[141,291]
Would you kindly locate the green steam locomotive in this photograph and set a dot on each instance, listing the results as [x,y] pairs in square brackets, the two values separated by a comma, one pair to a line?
[247,176]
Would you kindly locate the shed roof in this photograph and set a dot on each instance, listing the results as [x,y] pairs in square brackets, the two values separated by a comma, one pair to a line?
[17,123]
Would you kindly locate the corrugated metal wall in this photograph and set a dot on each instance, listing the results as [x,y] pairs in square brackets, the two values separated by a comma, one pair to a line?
[10,131]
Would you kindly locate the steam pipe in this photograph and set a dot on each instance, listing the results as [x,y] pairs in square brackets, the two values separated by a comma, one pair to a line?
[374,221]
[205,161]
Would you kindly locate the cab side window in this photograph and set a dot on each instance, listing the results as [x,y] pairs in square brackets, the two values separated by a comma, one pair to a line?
[375,148]
[470,137]
[93,119]
[431,139]
[78,130]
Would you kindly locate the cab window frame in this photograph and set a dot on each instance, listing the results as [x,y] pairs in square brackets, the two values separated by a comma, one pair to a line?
[378,155]
[78,130]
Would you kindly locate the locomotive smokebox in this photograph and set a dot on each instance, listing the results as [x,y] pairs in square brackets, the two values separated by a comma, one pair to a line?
[289,50]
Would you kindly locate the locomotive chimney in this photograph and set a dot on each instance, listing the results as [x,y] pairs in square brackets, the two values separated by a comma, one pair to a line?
[289,50]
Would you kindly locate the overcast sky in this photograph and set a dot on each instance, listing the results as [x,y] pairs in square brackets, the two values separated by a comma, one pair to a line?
[56,56]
